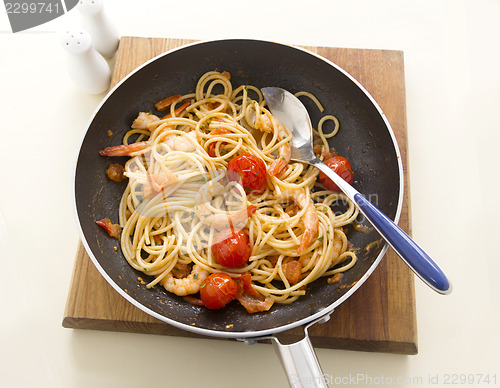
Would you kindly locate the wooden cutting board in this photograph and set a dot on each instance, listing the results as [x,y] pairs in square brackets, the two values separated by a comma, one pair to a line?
[379,317]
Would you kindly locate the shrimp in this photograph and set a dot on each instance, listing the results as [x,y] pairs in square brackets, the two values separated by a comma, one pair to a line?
[143,120]
[292,270]
[212,146]
[236,220]
[337,246]
[177,111]
[311,219]
[188,285]
[175,142]
[224,220]
[166,102]
[113,230]
[158,182]
[181,143]
[125,149]
[268,123]
[305,260]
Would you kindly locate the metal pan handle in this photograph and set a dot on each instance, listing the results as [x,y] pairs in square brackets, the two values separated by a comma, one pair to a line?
[300,362]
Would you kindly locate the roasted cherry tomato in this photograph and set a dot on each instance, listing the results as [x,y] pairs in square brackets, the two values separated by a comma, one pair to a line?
[218,290]
[250,172]
[342,167]
[231,248]
[245,282]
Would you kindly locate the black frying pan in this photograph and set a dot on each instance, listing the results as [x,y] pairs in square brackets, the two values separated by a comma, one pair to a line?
[365,138]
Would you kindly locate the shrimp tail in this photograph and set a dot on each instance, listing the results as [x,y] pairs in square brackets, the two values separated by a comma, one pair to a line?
[166,102]
[178,111]
[125,150]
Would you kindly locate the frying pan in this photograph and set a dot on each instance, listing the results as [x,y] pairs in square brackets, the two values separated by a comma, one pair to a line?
[365,139]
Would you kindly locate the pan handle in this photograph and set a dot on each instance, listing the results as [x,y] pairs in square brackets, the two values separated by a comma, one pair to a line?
[300,362]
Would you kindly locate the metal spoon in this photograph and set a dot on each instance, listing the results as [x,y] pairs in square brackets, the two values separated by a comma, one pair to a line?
[290,111]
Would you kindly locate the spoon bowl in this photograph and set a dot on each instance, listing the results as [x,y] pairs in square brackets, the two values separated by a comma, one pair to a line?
[292,113]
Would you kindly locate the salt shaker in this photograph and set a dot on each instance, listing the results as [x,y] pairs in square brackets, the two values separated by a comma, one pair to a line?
[104,34]
[87,68]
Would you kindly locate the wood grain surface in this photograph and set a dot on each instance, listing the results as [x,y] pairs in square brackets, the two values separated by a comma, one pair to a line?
[379,317]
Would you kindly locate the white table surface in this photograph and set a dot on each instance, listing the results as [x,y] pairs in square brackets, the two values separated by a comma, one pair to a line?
[452,65]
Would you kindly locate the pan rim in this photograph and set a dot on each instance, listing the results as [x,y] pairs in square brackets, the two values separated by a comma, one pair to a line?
[240,334]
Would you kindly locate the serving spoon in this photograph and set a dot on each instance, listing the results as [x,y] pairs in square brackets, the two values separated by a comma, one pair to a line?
[292,113]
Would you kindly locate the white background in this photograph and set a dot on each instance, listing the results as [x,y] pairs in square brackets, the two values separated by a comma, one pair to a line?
[452,65]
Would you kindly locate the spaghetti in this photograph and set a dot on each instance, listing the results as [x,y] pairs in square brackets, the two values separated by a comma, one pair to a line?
[179,196]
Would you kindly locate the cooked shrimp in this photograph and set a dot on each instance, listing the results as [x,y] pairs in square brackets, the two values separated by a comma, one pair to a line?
[220,221]
[188,285]
[212,146]
[143,120]
[311,219]
[306,259]
[125,149]
[181,143]
[292,270]
[175,142]
[337,246]
[268,123]
[223,220]
[113,230]
[177,111]
[166,102]
[284,153]
[157,182]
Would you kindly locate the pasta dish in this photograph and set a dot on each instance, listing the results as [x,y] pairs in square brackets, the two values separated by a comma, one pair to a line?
[216,210]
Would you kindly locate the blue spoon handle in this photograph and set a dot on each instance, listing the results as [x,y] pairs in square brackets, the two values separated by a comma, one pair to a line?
[403,245]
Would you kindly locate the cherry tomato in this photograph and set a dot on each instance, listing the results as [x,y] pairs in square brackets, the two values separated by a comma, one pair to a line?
[250,171]
[231,248]
[342,167]
[245,282]
[218,290]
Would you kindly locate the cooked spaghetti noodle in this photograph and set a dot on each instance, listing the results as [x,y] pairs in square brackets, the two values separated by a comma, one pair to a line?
[178,190]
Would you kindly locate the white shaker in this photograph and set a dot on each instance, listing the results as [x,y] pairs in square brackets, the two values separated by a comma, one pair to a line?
[104,34]
[87,68]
